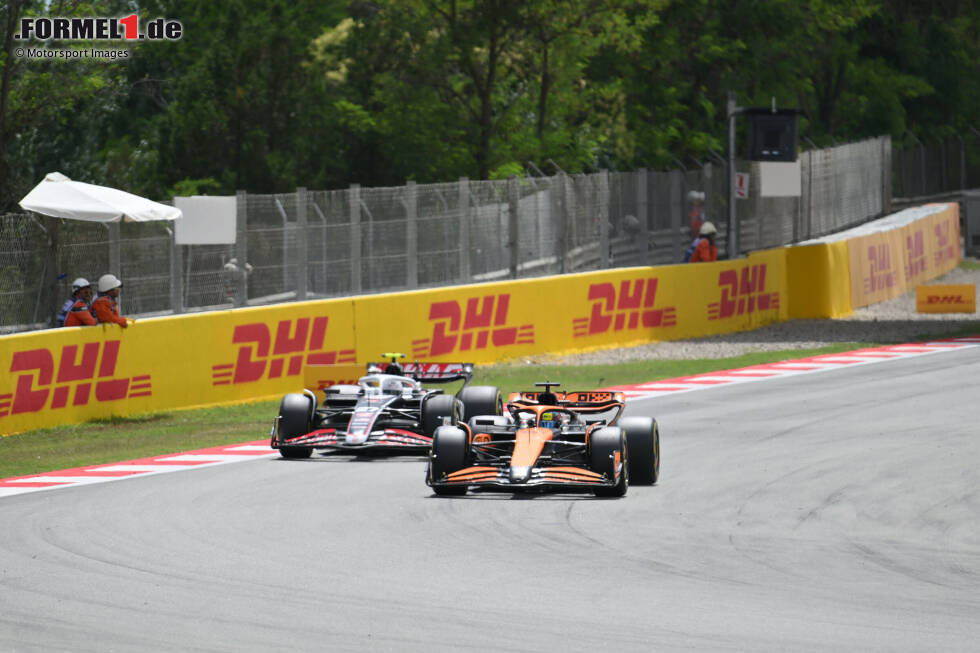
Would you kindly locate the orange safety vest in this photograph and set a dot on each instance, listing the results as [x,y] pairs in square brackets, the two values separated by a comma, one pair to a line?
[107,310]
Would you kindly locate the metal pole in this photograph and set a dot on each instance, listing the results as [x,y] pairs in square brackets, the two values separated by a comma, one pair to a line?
[411,235]
[302,245]
[176,278]
[641,215]
[465,274]
[241,247]
[603,213]
[513,206]
[355,237]
[732,229]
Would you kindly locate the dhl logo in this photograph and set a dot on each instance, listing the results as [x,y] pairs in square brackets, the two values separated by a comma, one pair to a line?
[882,276]
[629,308]
[742,294]
[482,322]
[945,299]
[915,255]
[947,247]
[259,356]
[71,375]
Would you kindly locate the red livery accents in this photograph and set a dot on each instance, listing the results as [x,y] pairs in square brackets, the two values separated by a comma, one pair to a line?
[260,356]
[483,322]
[83,371]
[743,294]
[629,308]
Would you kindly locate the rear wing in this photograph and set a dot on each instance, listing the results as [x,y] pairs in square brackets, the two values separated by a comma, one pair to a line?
[429,372]
[594,401]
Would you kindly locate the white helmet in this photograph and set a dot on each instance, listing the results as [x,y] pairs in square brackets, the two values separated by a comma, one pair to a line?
[109,281]
[707,229]
[79,283]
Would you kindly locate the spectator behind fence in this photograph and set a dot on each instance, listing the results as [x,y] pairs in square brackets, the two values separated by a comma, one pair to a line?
[695,212]
[105,307]
[80,312]
[703,248]
[76,286]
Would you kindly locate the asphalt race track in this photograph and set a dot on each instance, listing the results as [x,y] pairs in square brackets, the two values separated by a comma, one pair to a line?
[836,511]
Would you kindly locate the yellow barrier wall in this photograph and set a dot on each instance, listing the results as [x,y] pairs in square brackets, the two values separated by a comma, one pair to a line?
[66,376]
[491,322]
[887,264]
[71,375]
[819,283]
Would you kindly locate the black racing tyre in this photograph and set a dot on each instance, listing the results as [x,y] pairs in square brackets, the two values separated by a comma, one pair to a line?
[437,407]
[603,445]
[450,453]
[481,400]
[643,445]
[294,420]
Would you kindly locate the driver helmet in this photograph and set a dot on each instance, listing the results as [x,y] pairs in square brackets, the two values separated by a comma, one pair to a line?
[548,420]
[395,369]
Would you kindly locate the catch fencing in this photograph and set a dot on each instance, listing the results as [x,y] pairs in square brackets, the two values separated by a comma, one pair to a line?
[313,244]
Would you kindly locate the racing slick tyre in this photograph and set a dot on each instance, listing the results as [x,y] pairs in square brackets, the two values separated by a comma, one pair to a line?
[643,445]
[481,400]
[603,445]
[438,407]
[450,453]
[294,420]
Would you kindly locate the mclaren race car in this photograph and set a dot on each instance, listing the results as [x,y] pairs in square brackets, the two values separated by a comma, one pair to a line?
[566,441]
[387,409]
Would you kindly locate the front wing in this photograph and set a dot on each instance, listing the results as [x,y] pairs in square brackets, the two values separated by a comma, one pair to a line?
[566,477]
[334,439]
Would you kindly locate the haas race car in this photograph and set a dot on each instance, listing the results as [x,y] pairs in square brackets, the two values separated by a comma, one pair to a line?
[387,409]
[548,441]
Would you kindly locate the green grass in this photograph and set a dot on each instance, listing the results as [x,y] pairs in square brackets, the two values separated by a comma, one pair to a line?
[969,265]
[117,439]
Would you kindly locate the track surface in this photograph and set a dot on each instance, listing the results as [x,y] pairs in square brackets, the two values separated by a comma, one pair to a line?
[832,511]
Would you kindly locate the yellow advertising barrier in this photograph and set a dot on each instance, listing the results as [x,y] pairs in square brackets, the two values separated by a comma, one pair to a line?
[887,264]
[819,282]
[949,298]
[71,375]
[76,374]
[493,322]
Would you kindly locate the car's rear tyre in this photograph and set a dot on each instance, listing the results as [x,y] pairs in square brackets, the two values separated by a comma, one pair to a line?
[643,445]
[436,408]
[450,453]
[294,420]
[481,400]
[604,443]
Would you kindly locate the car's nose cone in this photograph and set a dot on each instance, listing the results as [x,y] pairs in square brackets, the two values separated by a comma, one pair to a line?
[519,474]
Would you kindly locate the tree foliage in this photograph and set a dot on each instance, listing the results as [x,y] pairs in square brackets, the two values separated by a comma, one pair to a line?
[267,95]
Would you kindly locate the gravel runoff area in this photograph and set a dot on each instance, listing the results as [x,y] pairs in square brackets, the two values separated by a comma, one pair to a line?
[892,322]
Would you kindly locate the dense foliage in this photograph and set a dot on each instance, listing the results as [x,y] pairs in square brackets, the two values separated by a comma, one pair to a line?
[268,95]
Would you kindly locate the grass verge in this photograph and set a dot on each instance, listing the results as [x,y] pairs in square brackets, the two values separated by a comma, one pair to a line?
[113,440]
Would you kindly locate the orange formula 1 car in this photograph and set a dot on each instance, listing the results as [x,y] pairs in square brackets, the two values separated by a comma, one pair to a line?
[550,441]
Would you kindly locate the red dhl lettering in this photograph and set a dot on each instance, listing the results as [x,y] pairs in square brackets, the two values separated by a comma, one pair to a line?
[71,374]
[743,293]
[915,250]
[629,308]
[481,323]
[260,356]
[945,299]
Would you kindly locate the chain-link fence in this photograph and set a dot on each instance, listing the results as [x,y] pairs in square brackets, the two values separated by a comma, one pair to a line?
[934,166]
[317,244]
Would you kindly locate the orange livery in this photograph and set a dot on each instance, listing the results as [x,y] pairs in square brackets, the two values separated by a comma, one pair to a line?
[548,440]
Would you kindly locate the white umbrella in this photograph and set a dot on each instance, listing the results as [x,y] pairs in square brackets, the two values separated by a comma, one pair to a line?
[60,197]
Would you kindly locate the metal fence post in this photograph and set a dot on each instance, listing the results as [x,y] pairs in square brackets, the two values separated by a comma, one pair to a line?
[176,276]
[241,246]
[676,209]
[465,270]
[411,235]
[355,237]
[886,175]
[641,215]
[603,217]
[513,242]
[560,216]
[302,245]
